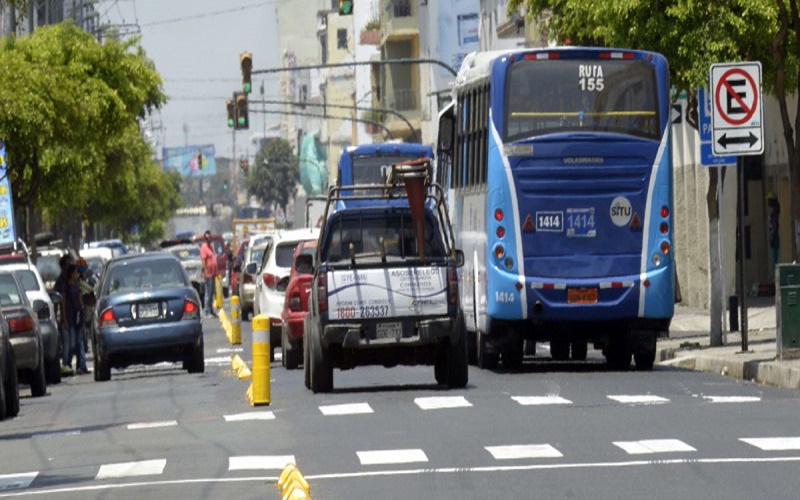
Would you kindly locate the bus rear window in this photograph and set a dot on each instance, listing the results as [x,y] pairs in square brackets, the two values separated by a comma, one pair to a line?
[367,169]
[596,95]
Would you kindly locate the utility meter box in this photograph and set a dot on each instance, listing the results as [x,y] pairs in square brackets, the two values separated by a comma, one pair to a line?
[787,307]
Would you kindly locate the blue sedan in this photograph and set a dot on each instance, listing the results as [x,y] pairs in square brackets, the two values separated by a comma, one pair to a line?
[147,312]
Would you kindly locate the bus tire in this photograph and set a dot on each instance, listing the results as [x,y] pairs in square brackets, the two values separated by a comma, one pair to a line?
[486,360]
[580,349]
[618,353]
[559,350]
[644,353]
[513,351]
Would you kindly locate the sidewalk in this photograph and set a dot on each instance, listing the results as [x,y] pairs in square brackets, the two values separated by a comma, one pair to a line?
[688,347]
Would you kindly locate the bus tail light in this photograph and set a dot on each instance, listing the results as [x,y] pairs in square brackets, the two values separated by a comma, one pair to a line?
[498,214]
[501,231]
[452,286]
[664,212]
[665,247]
[499,251]
[616,55]
[322,292]
[664,228]
[656,259]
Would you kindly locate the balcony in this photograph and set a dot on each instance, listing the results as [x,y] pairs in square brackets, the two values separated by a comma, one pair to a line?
[399,20]
[406,102]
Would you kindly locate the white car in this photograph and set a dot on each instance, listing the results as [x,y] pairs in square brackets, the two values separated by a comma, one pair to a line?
[254,252]
[96,258]
[275,268]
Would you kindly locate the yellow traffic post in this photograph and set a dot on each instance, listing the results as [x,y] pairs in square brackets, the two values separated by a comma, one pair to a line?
[292,484]
[296,493]
[226,323]
[240,367]
[217,293]
[236,321]
[260,375]
[284,477]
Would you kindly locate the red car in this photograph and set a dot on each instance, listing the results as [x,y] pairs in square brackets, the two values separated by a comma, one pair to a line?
[295,305]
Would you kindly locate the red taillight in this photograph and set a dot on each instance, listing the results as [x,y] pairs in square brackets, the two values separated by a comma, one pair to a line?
[270,280]
[190,310]
[501,231]
[19,324]
[294,302]
[499,251]
[616,55]
[664,247]
[247,278]
[107,318]
[664,212]
[452,286]
[664,228]
[498,214]
[322,292]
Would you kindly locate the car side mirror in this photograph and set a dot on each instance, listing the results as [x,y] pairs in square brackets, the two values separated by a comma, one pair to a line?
[251,267]
[55,297]
[42,311]
[459,257]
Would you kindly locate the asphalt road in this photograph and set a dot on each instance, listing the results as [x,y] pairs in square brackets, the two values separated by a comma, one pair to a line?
[553,430]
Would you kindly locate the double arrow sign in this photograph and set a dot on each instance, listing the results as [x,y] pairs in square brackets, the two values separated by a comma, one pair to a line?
[750,140]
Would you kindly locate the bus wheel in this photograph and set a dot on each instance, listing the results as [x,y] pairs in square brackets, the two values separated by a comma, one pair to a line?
[618,354]
[529,347]
[559,349]
[512,351]
[486,360]
[644,353]
[579,350]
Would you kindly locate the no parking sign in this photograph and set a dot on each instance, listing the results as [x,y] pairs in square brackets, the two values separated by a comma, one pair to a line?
[737,112]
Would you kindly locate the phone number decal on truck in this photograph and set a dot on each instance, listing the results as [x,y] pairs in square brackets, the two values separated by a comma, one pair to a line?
[382,293]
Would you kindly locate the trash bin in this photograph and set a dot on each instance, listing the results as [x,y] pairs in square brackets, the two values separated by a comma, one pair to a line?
[787,309]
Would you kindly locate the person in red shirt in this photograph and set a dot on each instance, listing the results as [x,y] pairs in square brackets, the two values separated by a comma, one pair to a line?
[209,258]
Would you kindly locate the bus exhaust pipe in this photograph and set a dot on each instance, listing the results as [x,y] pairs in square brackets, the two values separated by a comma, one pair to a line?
[538,307]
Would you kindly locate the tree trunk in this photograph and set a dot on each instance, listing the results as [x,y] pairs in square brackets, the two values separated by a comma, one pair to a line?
[717,300]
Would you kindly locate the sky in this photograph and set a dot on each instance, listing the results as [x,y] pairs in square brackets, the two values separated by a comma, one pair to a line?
[195,45]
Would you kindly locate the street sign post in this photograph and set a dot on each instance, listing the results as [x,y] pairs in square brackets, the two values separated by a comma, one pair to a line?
[737,129]
[707,156]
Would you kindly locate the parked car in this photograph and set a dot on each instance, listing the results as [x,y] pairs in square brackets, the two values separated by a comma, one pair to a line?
[44,305]
[25,333]
[238,263]
[218,244]
[257,245]
[116,246]
[275,268]
[47,264]
[147,312]
[295,305]
[189,255]
[96,257]
[9,388]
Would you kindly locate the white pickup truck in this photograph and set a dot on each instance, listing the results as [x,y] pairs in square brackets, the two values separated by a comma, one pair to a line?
[380,296]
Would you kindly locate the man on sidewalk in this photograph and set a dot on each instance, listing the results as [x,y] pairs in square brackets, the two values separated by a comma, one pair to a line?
[209,259]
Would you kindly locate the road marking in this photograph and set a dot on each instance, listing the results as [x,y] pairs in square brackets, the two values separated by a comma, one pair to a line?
[379,457]
[130,469]
[541,400]
[732,399]
[260,462]
[253,415]
[15,481]
[223,350]
[152,425]
[56,434]
[653,446]
[645,399]
[346,409]
[218,361]
[523,451]
[774,444]
[442,402]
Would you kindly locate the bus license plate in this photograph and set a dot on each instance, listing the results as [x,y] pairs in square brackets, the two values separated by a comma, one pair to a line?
[582,295]
[580,223]
[148,310]
[389,330]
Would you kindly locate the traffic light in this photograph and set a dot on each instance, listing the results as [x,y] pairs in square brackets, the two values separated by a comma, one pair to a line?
[200,164]
[345,7]
[225,185]
[242,122]
[231,113]
[243,164]
[246,61]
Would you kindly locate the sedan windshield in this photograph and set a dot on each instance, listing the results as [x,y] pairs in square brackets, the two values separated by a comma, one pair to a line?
[127,277]
[187,253]
[9,291]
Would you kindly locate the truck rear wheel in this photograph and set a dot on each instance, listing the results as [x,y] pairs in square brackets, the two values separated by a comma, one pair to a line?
[321,366]
[580,348]
[559,350]
[456,358]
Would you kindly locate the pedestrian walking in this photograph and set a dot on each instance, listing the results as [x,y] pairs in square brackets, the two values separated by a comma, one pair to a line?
[86,283]
[63,329]
[209,259]
[73,321]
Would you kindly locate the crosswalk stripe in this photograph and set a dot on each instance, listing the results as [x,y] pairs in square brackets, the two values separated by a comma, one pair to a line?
[379,457]
[516,451]
[253,415]
[346,409]
[152,425]
[653,446]
[645,399]
[732,399]
[130,469]
[442,402]
[774,443]
[15,481]
[541,400]
[260,462]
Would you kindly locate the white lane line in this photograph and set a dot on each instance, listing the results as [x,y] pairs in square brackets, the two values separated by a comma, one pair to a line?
[253,415]
[523,451]
[653,446]
[130,469]
[442,402]
[17,481]
[346,409]
[645,399]
[260,462]
[732,399]
[152,425]
[541,400]
[774,444]
[378,457]
[218,361]
[224,350]
[56,434]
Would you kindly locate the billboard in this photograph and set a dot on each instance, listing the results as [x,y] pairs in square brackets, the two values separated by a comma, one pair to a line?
[7,232]
[459,33]
[190,161]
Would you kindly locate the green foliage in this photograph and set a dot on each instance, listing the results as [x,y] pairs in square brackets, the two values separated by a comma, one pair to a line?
[275,174]
[69,120]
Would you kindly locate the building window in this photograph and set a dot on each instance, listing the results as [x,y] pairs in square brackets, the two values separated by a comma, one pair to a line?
[341,38]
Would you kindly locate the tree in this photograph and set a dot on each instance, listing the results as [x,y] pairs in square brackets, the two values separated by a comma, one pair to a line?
[692,34]
[275,173]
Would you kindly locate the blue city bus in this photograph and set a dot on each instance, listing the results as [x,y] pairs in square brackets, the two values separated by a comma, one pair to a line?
[559,172]
[362,164]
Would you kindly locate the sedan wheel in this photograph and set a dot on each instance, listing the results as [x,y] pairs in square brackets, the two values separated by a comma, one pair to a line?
[11,387]
[197,362]
[53,370]
[38,379]
[102,367]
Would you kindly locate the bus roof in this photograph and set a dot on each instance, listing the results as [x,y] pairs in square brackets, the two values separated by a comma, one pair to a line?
[386,148]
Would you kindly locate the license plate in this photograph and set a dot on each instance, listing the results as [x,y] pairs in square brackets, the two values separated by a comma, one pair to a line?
[148,310]
[582,295]
[580,222]
[389,330]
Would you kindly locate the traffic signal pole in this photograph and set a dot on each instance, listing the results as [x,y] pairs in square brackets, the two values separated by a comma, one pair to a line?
[383,62]
[326,115]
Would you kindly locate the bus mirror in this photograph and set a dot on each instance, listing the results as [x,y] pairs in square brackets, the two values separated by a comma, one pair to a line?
[446,126]
[459,257]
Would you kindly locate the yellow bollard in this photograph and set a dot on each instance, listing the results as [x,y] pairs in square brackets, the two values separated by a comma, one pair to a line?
[236,321]
[260,376]
[217,292]
[285,475]
[296,493]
